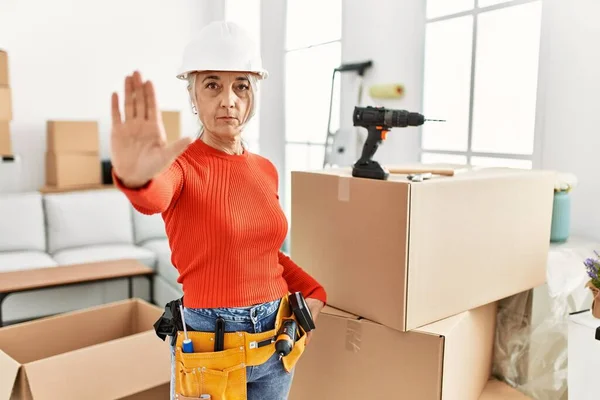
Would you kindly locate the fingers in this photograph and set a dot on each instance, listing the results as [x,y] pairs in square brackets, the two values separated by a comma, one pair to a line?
[129,102]
[175,149]
[150,101]
[115,112]
[140,98]
[308,337]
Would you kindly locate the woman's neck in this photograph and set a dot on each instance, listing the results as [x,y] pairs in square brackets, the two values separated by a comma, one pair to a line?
[231,146]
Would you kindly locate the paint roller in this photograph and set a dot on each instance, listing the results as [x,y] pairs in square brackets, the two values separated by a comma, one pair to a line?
[386,91]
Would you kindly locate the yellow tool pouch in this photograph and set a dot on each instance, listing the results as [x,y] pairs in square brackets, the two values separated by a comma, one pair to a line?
[222,374]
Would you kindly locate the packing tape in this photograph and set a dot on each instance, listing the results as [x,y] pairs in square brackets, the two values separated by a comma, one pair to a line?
[343,189]
[353,335]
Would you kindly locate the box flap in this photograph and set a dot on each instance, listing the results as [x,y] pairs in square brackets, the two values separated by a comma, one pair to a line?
[443,327]
[496,390]
[9,369]
[339,313]
[110,370]
[23,341]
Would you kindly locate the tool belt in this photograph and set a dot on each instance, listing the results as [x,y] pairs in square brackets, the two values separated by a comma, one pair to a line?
[222,374]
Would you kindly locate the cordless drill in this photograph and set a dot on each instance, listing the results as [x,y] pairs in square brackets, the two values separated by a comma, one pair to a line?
[379,121]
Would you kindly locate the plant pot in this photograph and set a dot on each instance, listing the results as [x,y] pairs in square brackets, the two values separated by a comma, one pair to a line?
[561,217]
[596,302]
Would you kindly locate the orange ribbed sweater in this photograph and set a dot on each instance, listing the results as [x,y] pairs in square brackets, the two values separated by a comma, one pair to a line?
[225,227]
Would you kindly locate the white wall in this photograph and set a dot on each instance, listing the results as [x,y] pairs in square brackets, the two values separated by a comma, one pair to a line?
[569,110]
[392,34]
[272,109]
[67,56]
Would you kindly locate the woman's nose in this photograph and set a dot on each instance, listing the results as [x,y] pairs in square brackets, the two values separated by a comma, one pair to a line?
[228,99]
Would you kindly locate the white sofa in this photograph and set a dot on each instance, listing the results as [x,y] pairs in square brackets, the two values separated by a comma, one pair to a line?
[47,230]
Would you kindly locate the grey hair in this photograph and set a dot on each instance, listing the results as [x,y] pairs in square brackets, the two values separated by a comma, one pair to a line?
[191,88]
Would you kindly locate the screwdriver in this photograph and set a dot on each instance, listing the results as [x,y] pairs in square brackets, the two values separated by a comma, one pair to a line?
[286,338]
[188,346]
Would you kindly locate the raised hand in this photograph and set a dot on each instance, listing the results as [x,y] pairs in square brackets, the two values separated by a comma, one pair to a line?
[139,149]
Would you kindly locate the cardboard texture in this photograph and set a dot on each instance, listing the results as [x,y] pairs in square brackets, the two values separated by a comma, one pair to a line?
[73,169]
[105,352]
[4,75]
[6,111]
[353,358]
[162,392]
[408,254]
[583,355]
[172,123]
[5,139]
[73,137]
[496,390]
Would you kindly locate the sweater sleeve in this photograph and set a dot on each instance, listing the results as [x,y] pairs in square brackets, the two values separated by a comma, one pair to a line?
[299,280]
[158,194]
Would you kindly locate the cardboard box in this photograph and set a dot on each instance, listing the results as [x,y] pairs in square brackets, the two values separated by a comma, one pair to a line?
[6,112]
[172,123]
[4,77]
[73,137]
[584,355]
[407,254]
[162,392]
[352,358]
[5,139]
[496,390]
[105,352]
[73,169]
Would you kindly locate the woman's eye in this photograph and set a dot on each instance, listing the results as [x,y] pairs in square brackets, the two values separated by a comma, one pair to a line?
[211,85]
[243,87]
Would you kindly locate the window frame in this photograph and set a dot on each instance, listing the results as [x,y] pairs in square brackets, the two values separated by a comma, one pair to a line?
[308,143]
[535,156]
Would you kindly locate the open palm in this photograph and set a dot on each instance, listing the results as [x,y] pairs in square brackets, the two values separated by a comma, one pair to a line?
[139,149]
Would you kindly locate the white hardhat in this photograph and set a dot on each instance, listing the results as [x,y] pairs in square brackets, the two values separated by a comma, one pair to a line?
[222,46]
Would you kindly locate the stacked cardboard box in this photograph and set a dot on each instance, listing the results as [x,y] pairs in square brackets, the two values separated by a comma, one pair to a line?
[172,123]
[414,272]
[5,106]
[73,154]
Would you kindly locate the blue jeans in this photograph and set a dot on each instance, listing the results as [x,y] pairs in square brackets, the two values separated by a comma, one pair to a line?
[268,381]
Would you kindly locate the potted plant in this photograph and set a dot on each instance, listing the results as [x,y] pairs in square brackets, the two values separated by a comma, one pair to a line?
[592,267]
[561,208]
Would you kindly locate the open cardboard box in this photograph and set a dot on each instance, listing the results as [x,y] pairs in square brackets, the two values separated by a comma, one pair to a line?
[353,358]
[406,254]
[105,352]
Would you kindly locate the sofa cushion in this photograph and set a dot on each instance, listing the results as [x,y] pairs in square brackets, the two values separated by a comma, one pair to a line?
[88,218]
[21,260]
[148,227]
[22,224]
[164,267]
[97,253]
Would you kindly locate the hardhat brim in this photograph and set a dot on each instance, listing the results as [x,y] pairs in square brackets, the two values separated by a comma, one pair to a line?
[263,74]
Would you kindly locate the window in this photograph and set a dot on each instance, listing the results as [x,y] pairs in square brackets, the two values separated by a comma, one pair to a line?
[246,13]
[481,69]
[313,50]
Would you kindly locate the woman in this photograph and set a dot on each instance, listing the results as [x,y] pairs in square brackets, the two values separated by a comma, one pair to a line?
[219,202]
